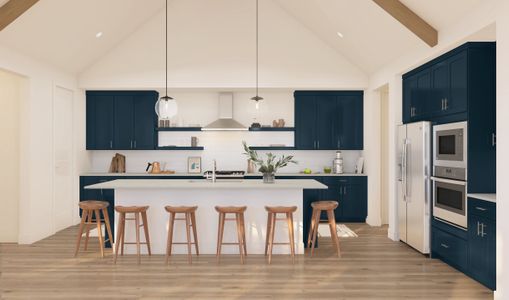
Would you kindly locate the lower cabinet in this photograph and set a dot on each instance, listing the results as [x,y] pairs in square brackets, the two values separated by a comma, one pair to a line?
[482,242]
[473,252]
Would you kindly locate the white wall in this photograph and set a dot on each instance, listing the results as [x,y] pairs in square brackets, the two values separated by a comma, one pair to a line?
[213,45]
[502,150]
[36,145]
[11,92]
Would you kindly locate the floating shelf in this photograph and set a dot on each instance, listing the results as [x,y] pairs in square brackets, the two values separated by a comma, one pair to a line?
[272,148]
[178,129]
[180,148]
[272,129]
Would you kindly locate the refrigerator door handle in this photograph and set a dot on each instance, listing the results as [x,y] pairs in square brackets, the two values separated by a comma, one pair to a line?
[404,172]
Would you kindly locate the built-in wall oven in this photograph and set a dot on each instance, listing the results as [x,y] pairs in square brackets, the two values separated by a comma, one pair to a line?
[450,173]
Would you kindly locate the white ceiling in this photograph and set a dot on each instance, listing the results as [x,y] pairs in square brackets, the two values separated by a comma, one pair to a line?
[62,32]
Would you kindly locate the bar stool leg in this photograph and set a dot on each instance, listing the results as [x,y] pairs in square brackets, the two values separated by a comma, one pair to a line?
[289,218]
[195,234]
[272,231]
[315,230]
[123,235]
[220,235]
[311,227]
[121,224]
[107,224]
[137,224]
[169,242]
[239,235]
[243,227]
[333,231]
[188,235]
[145,229]
[87,229]
[84,216]
[267,235]
[99,231]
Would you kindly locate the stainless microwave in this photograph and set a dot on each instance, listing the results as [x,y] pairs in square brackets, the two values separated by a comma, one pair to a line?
[450,145]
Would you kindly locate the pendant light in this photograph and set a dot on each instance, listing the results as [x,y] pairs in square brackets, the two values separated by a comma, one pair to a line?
[257,98]
[166,106]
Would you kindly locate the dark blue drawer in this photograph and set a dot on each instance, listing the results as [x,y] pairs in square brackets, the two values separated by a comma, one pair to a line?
[482,208]
[450,248]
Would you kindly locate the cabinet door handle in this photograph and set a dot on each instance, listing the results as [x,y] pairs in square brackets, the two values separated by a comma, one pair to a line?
[442,104]
[478,229]
[481,208]
[493,139]
[111,144]
[446,104]
[131,144]
[482,230]
[444,246]
[134,144]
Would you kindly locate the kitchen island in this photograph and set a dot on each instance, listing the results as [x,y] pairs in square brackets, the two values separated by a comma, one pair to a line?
[253,193]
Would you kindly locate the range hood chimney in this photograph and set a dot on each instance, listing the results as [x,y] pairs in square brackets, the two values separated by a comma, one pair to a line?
[225,121]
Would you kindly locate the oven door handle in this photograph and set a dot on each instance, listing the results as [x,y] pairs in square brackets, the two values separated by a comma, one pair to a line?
[450,181]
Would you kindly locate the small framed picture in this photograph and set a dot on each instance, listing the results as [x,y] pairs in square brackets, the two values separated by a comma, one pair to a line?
[194,164]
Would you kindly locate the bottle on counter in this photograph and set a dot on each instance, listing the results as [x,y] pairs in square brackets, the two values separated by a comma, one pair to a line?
[337,163]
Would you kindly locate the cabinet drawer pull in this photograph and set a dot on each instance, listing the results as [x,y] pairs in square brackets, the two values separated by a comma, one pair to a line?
[481,208]
[445,246]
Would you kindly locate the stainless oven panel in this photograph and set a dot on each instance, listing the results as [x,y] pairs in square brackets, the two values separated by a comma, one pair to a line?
[450,172]
[450,201]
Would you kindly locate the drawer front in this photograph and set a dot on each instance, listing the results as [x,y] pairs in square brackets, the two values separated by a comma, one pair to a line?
[482,208]
[450,249]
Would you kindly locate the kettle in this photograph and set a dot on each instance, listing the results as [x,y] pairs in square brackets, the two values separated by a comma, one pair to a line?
[155,168]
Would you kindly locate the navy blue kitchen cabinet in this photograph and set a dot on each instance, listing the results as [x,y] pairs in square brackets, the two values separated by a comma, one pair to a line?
[449,244]
[456,82]
[99,118]
[482,241]
[353,199]
[328,120]
[121,120]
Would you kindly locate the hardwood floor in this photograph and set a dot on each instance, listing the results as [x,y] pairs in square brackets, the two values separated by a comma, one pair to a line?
[371,267]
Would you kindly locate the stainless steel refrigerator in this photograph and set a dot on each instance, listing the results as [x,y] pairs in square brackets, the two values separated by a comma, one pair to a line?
[413,186]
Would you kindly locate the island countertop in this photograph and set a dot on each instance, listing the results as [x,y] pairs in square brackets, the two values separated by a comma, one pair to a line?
[206,184]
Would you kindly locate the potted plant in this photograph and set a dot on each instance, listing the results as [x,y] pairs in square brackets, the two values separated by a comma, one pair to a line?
[270,166]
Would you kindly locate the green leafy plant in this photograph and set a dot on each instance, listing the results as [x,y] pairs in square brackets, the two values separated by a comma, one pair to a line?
[271,164]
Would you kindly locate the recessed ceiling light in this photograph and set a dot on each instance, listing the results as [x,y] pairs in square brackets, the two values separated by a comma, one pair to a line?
[99,34]
[339,34]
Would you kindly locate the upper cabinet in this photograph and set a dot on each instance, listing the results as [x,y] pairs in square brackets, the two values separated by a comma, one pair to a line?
[121,120]
[441,89]
[328,120]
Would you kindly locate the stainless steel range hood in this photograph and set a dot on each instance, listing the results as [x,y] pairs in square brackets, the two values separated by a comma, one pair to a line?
[225,121]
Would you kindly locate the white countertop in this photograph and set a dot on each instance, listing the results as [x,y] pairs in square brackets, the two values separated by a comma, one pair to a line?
[485,197]
[205,184]
[194,175]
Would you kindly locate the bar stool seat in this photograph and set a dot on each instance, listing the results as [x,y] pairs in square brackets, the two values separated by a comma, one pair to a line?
[190,219]
[273,211]
[89,209]
[241,230]
[318,207]
[139,212]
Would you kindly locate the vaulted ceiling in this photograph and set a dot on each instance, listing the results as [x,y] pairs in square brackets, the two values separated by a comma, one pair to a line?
[63,32]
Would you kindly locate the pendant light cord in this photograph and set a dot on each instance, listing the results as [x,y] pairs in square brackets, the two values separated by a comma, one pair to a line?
[257,49]
[166,31]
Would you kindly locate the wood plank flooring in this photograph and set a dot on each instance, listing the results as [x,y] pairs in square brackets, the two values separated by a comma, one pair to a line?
[371,267]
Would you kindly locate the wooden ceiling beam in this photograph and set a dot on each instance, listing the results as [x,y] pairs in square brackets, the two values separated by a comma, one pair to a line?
[410,20]
[11,10]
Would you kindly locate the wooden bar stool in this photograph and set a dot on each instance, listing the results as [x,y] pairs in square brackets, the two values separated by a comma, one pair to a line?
[318,207]
[90,208]
[273,211]
[139,212]
[241,230]
[190,218]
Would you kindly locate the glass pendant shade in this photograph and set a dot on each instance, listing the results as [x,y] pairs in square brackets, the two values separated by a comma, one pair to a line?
[166,107]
